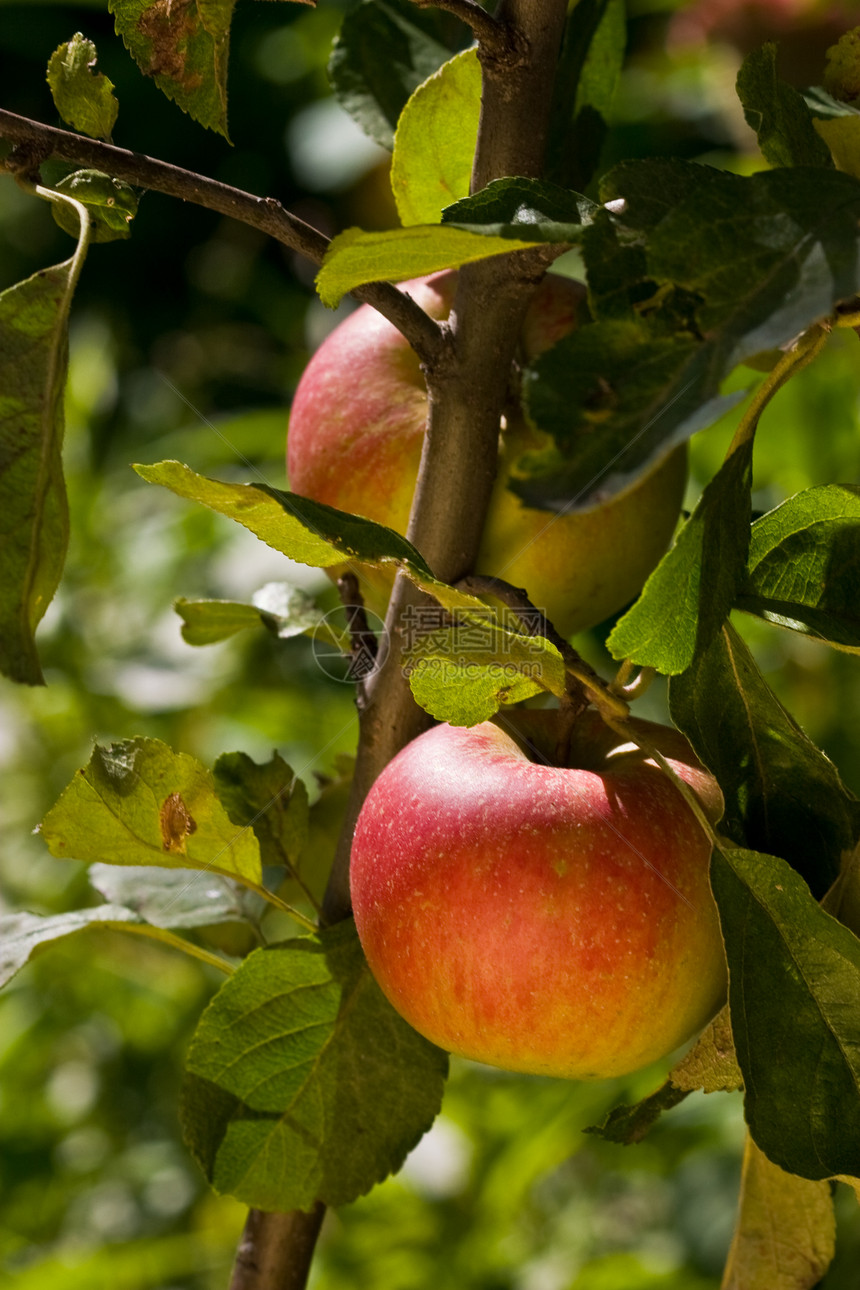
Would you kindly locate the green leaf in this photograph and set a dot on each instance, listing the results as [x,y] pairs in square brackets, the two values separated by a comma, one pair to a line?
[184,48]
[24,935]
[34,528]
[306,1084]
[785,1236]
[384,51]
[766,255]
[710,1065]
[778,113]
[139,803]
[269,798]
[628,1125]
[508,215]
[82,97]
[615,397]
[176,898]
[782,795]
[590,63]
[794,995]
[285,610]
[689,595]
[307,531]
[841,136]
[465,672]
[504,206]
[804,565]
[111,203]
[355,256]
[435,141]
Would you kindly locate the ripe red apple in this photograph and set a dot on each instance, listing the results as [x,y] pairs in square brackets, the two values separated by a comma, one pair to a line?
[356,431]
[550,919]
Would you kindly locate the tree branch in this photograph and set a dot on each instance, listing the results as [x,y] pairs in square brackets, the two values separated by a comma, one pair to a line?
[491,35]
[262,213]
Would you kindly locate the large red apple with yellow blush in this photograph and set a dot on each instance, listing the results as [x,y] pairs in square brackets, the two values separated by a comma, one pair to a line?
[356,432]
[542,918]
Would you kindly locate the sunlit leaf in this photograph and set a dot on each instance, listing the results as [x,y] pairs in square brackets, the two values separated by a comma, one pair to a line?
[140,803]
[111,204]
[688,596]
[435,141]
[82,96]
[463,674]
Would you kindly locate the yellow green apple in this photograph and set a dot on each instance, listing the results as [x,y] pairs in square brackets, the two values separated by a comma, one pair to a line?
[356,431]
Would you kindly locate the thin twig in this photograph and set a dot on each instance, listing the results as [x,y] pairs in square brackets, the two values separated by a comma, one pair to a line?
[262,213]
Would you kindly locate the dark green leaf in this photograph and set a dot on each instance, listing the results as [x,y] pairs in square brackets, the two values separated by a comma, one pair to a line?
[322,1089]
[271,799]
[184,48]
[804,565]
[111,204]
[794,995]
[778,114]
[34,528]
[690,593]
[630,1124]
[782,794]
[615,397]
[82,96]
[504,205]
[589,66]
[385,50]
[766,255]
[139,803]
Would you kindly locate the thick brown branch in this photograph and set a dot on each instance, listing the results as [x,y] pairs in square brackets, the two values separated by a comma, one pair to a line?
[263,213]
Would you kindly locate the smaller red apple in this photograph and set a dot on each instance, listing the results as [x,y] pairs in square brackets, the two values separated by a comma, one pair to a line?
[550,919]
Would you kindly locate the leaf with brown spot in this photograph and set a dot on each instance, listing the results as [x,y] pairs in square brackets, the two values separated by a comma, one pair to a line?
[176,823]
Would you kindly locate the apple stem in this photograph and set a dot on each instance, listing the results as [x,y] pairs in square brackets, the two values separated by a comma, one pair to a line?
[630,690]
[803,352]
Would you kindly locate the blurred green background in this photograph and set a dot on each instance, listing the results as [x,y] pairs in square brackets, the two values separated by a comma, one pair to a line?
[187,342]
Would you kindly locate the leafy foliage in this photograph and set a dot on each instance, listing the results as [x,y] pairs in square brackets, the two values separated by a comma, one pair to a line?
[83,97]
[35,524]
[306,1085]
